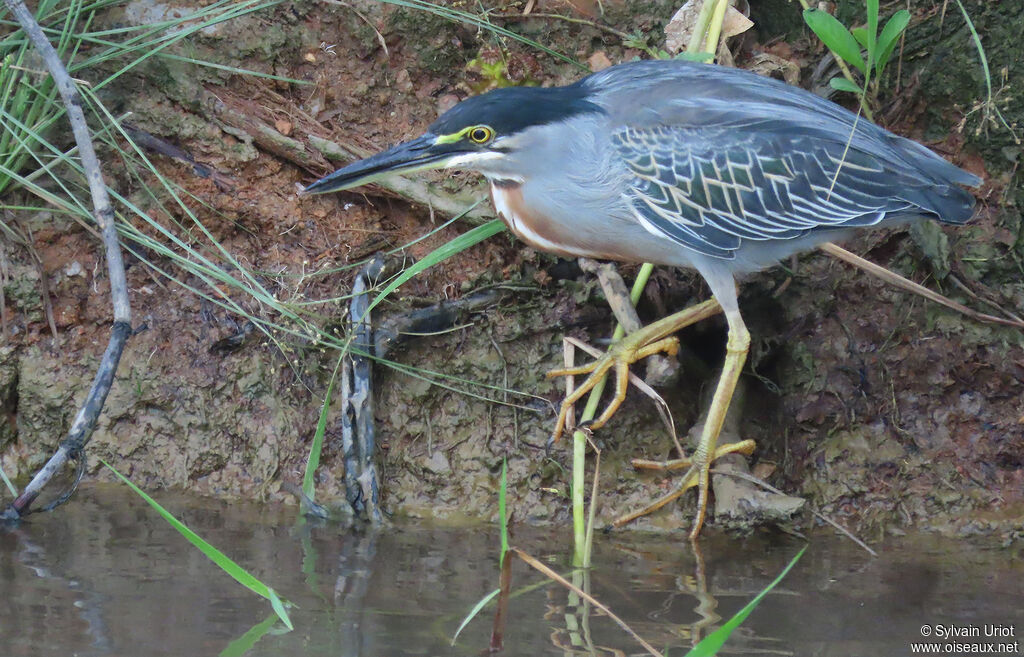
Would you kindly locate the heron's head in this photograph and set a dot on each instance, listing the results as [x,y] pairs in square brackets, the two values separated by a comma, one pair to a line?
[486,133]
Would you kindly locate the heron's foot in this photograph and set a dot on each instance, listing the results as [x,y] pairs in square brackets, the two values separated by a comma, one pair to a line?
[618,358]
[697,475]
[649,340]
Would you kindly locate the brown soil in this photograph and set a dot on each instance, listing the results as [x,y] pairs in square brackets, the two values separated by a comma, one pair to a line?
[885,411]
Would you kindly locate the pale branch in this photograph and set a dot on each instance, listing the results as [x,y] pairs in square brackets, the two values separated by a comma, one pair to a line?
[103,213]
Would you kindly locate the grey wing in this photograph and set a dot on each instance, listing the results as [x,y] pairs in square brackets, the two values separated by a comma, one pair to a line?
[711,190]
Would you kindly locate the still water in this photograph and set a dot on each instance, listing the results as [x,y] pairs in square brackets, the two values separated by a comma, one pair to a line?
[104,575]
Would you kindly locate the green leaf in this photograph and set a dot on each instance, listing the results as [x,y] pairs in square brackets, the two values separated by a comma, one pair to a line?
[861,35]
[713,642]
[834,35]
[872,29]
[890,35]
[223,561]
[842,84]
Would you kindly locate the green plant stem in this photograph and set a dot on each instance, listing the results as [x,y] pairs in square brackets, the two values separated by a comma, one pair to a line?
[579,439]
[715,27]
[700,27]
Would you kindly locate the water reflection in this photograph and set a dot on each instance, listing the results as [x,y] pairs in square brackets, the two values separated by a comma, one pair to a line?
[106,576]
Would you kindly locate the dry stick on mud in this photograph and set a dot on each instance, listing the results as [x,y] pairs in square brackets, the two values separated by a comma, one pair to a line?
[103,213]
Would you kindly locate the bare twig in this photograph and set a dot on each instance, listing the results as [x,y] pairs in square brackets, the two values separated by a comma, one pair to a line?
[906,284]
[44,282]
[974,295]
[764,484]
[569,19]
[103,213]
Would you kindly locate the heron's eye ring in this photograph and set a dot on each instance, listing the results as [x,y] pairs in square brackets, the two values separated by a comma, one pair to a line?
[481,134]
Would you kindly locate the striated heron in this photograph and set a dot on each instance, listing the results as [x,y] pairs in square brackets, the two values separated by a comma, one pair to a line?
[682,164]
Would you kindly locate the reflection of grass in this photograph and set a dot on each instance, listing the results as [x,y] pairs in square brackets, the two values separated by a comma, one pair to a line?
[713,642]
[503,551]
[243,644]
[708,647]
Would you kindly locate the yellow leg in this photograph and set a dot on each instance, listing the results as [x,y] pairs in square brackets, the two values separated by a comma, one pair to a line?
[708,450]
[736,348]
[649,340]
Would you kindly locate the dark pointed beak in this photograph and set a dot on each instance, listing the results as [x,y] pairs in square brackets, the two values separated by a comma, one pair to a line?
[420,153]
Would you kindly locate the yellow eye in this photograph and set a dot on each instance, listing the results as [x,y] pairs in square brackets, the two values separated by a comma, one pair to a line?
[481,134]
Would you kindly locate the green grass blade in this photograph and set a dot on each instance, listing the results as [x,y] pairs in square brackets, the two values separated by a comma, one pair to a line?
[458,16]
[222,561]
[981,49]
[713,642]
[872,6]
[156,46]
[502,513]
[990,105]
[7,482]
[457,245]
[234,69]
[313,461]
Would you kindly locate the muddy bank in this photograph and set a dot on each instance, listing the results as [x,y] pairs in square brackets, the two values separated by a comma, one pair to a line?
[883,410]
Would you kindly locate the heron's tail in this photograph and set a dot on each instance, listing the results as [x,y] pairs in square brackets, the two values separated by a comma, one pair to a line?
[950,204]
[939,193]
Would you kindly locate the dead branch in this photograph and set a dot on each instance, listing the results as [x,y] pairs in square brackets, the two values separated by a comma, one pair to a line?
[103,213]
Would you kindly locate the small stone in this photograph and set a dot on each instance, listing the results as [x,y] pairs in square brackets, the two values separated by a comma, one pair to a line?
[598,61]
[402,81]
[284,127]
[73,269]
[446,102]
[437,463]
